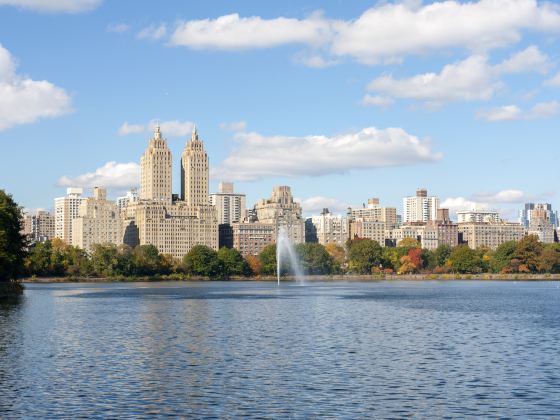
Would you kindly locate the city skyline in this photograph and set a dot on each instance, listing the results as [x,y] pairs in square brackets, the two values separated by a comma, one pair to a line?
[310,103]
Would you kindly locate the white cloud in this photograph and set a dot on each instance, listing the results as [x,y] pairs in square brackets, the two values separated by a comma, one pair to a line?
[467,80]
[377,100]
[504,196]
[554,81]
[232,32]
[23,100]
[513,112]
[455,204]
[53,6]
[317,203]
[234,126]
[502,113]
[383,33]
[154,32]
[314,60]
[127,129]
[118,28]
[257,156]
[171,128]
[530,59]
[399,29]
[111,175]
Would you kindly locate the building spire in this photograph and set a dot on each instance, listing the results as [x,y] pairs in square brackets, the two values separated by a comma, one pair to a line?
[194,133]
[157,131]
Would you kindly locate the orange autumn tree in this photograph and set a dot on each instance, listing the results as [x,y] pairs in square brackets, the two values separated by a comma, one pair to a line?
[412,261]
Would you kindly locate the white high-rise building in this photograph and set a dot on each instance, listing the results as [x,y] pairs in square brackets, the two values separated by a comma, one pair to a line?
[65,211]
[420,208]
[478,216]
[230,206]
[130,197]
[330,228]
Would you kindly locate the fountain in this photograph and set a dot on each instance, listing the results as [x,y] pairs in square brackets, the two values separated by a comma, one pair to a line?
[284,248]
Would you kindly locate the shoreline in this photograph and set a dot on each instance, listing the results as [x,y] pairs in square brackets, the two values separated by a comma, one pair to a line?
[309,278]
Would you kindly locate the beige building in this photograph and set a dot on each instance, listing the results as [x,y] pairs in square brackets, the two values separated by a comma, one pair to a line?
[375,213]
[330,228]
[478,216]
[282,210]
[174,227]
[368,229]
[155,169]
[65,211]
[39,227]
[230,206]
[97,221]
[490,235]
[250,238]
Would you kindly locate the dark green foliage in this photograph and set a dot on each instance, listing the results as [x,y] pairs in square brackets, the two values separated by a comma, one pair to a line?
[549,260]
[502,256]
[315,259]
[202,261]
[267,258]
[363,255]
[232,263]
[464,260]
[440,255]
[12,242]
[528,251]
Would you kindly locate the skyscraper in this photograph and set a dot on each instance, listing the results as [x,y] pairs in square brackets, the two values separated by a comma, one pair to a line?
[65,210]
[194,172]
[229,205]
[420,208]
[155,167]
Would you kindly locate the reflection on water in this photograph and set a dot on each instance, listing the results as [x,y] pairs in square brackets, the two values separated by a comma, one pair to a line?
[384,349]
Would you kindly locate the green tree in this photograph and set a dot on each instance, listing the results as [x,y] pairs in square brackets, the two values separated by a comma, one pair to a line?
[528,252]
[147,261]
[363,255]
[391,258]
[233,263]
[502,256]
[12,242]
[38,260]
[315,259]
[464,260]
[441,254]
[202,261]
[338,254]
[105,260]
[267,258]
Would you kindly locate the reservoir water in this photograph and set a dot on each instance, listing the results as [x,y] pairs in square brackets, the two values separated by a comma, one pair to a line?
[249,349]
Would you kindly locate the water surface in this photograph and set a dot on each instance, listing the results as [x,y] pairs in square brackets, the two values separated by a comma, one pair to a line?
[339,350]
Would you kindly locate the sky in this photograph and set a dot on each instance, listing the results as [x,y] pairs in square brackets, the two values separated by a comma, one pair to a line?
[340,100]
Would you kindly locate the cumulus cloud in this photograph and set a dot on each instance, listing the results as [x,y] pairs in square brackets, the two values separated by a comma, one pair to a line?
[455,204]
[553,81]
[317,203]
[118,28]
[377,100]
[467,80]
[234,126]
[314,60]
[23,100]
[513,112]
[504,196]
[403,28]
[232,32]
[54,6]
[153,32]
[383,33]
[171,128]
[111,175]
[256,156]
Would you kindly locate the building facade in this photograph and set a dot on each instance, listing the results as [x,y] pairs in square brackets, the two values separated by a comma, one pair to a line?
[65,211]
[250,238]
[374,212]
[330,228]
[478,216]
[541,211]
[39,227]
[420,208]
[230,206]
[282,210]
[97,221]
[490,235]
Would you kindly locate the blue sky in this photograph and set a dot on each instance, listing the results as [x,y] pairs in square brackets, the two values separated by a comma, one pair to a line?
[340,100]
